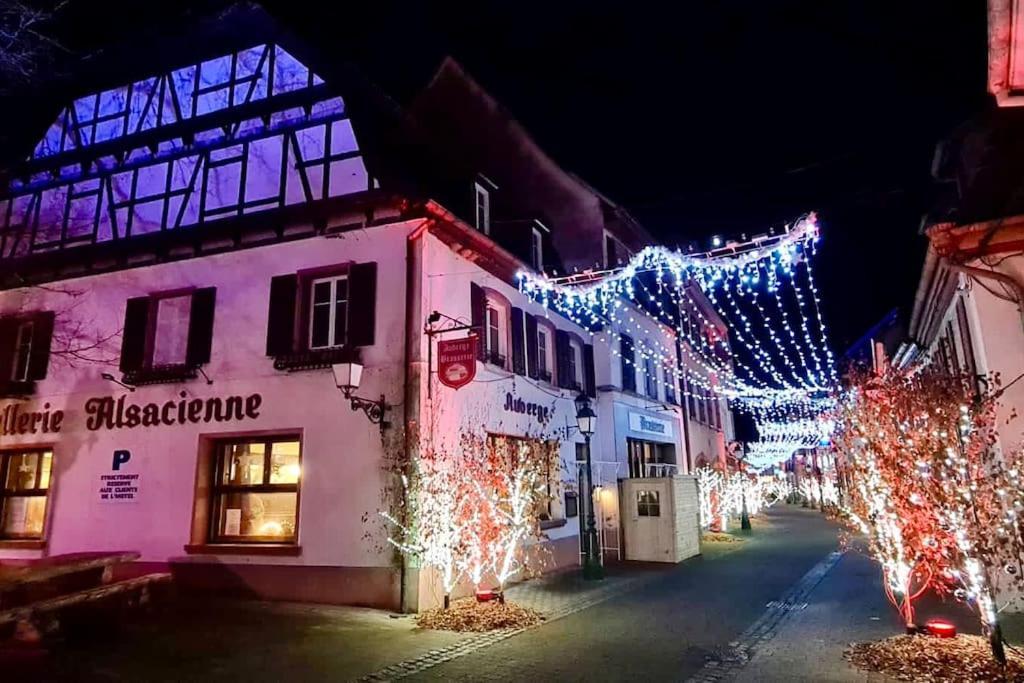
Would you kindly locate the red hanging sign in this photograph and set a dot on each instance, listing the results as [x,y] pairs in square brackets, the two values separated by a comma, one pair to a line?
[456,361]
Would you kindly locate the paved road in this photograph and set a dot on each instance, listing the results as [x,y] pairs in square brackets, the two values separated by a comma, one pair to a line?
[668,628]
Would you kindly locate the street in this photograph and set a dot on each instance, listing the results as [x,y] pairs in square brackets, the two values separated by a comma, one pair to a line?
[668,628]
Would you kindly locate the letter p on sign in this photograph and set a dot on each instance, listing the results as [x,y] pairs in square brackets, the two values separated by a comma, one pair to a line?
[120,458]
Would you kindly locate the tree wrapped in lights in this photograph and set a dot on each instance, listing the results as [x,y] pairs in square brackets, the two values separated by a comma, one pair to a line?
[939,500]
[475,508]
[882,436]
[708,483]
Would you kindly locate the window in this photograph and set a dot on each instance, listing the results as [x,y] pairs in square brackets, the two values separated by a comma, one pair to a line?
[317,316]
[965,338]
[255,492]
[575,369]
[167,335]
[691,400]
[170,332]
[495,336]
[328,312]
[718,412]
[25,476]
[537,249]
[701,406]
[648,503]
[670,385]
[544,350]
[615,252]
[514,453]
[650,377]
[483,208]
[22,351]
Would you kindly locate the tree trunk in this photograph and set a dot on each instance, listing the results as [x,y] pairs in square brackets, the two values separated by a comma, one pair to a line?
[447,600]
[995,639]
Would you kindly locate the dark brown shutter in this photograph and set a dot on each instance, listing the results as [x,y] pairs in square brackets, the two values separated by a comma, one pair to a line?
[477,307]
[562,351]
[133,339]
[589,375]
[628,367]
[518,343]
[362,303]
[531,347]
[42,338]
[281,317]
[8,334]
[200,326]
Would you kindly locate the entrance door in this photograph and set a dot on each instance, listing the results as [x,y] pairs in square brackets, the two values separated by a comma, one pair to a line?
[649,537]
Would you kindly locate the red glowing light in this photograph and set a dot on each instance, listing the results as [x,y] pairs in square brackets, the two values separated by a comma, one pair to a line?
[940,628]
[488,594]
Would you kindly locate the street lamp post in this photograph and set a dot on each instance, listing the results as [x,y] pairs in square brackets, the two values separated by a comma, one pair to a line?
[586,420]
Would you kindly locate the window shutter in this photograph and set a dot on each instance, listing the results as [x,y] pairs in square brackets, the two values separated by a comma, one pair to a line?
[531,347]
[562,351]
[518,350]
[200,326]
[362,307]
[477,304]
[42,338]
[589,378]
[8,331]
[281,318]
[628,366]
[133,339]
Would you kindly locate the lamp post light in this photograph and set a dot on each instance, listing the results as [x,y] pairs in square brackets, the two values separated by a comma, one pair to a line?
[586,421]
[347,376]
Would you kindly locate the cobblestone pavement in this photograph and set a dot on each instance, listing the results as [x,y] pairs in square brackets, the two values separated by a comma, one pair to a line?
[554,596]
[668,627]
[847,606]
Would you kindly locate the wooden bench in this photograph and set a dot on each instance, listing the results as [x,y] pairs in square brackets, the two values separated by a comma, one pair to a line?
[138,586]
[32,596]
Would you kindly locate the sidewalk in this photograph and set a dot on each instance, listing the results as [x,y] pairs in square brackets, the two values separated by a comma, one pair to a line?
[228,640]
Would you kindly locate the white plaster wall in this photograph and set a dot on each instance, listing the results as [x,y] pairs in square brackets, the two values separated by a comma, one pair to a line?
[342,479]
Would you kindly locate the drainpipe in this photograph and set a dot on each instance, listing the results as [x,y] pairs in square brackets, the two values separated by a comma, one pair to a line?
[408,600]
[1002,278]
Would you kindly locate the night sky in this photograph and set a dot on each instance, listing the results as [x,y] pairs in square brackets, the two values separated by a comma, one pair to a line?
[711,117]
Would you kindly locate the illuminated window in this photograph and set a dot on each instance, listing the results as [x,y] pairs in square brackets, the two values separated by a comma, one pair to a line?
[328,312]
[26,482]
[648,504]
[256,491]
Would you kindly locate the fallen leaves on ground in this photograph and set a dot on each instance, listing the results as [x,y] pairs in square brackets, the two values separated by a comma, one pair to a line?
[926,658]
[717,537]
[469,615]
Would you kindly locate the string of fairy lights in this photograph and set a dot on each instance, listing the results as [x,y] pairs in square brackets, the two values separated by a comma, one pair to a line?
[742,323]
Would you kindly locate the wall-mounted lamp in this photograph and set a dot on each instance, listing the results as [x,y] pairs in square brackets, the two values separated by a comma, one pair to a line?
[110,378]
[347,376]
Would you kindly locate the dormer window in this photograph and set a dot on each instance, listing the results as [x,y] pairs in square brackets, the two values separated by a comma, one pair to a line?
[615,252]
[482,199]
[536,249]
